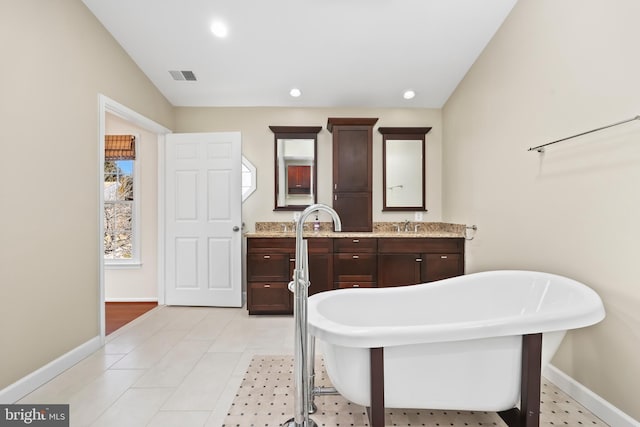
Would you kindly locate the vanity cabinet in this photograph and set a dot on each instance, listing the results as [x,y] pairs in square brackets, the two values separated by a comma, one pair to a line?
[403,261]
[270,266]
[354,262]
[353,171]
[346,262]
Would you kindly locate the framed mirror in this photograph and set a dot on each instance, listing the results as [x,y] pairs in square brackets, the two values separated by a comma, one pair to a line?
[296,176]
[403,168]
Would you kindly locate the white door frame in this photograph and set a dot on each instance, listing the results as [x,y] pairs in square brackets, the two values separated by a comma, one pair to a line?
[108,105]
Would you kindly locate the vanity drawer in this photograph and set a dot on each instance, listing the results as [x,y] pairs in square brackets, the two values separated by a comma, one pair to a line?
[320,245]
[269,298]
[350,267]
[267,267]
[347,285]
[348,244]
[272,245]
[420,245]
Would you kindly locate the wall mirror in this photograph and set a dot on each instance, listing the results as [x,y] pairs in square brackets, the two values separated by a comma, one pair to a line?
[403,165]
[295,166]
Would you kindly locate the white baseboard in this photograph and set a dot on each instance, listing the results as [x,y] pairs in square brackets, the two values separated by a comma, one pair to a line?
[594,403]
[29,383]
[153,299]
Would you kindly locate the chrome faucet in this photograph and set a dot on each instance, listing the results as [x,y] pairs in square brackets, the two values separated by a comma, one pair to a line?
[406,226]
[299,286]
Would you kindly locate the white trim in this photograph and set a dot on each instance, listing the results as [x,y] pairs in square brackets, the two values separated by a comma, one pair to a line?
[108,105]
[142,299]
[160,244]
[109,265]
[37,378]
[587,398]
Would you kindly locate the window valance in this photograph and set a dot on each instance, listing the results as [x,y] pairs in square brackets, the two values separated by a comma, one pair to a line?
[119,147]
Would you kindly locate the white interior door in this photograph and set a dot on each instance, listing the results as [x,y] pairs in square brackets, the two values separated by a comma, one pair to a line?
[203,216]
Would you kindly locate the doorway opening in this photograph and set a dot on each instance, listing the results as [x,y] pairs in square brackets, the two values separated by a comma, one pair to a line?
[122,298]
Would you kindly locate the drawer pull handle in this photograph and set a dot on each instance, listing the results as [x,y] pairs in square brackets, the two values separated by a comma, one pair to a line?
[356,257]
[443,257]
[418,259]
[267,257]
[267,286]
[356,240]
[292,260]
[355,285]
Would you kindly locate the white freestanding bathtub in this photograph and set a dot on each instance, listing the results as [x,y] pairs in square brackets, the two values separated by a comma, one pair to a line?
[452,344]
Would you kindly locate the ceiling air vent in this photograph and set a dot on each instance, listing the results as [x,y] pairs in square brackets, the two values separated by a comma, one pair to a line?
[183,75]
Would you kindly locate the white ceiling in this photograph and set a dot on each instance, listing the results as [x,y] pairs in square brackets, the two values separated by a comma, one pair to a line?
[339,53]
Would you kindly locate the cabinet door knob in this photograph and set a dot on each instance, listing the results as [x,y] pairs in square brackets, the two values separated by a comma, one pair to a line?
[267,256]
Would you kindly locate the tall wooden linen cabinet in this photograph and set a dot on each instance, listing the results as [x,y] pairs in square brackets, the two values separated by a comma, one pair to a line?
[352,171]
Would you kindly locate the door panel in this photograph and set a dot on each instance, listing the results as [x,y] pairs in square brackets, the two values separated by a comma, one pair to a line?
[399,269]
[203,218]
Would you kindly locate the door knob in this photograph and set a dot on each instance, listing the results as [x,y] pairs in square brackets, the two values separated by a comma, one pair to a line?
[236,228]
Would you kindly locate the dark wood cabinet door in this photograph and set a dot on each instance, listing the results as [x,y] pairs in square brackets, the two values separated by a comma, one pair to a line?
[441,266]
[352,158]
[354,267]
[399,269]
[354,210]
[320,272]
[269,298]
[299,179]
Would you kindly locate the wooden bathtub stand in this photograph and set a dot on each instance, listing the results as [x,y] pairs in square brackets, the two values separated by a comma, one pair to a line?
[527,416]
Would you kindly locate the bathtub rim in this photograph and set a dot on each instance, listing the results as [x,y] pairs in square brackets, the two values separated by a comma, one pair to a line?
[359,336]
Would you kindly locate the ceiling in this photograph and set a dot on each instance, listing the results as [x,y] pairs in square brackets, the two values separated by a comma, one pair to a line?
[339,53]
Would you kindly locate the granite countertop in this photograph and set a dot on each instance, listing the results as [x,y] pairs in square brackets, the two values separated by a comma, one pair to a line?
[380,230]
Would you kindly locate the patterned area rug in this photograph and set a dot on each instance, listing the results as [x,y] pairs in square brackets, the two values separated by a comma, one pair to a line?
[265,399]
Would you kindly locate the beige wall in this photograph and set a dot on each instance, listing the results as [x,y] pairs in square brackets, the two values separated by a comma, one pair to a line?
[258,147]
[138,283]
[554,69]
[57,58]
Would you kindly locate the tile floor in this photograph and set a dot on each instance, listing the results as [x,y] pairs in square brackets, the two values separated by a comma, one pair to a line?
[174,366]
[264,399]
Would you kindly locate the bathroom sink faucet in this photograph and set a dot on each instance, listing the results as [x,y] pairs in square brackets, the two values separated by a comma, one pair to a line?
[406,226]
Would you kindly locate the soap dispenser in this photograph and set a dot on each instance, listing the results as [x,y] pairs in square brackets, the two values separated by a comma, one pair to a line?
[316,225]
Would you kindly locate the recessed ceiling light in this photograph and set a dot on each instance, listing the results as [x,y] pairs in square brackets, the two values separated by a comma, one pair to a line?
[408,94]
[219,29]
[295,92]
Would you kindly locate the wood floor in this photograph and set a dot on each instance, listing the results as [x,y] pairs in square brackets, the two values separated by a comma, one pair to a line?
[118,314]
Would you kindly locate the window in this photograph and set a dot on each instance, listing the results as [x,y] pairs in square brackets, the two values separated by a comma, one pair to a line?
[248,178]
[120,200]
